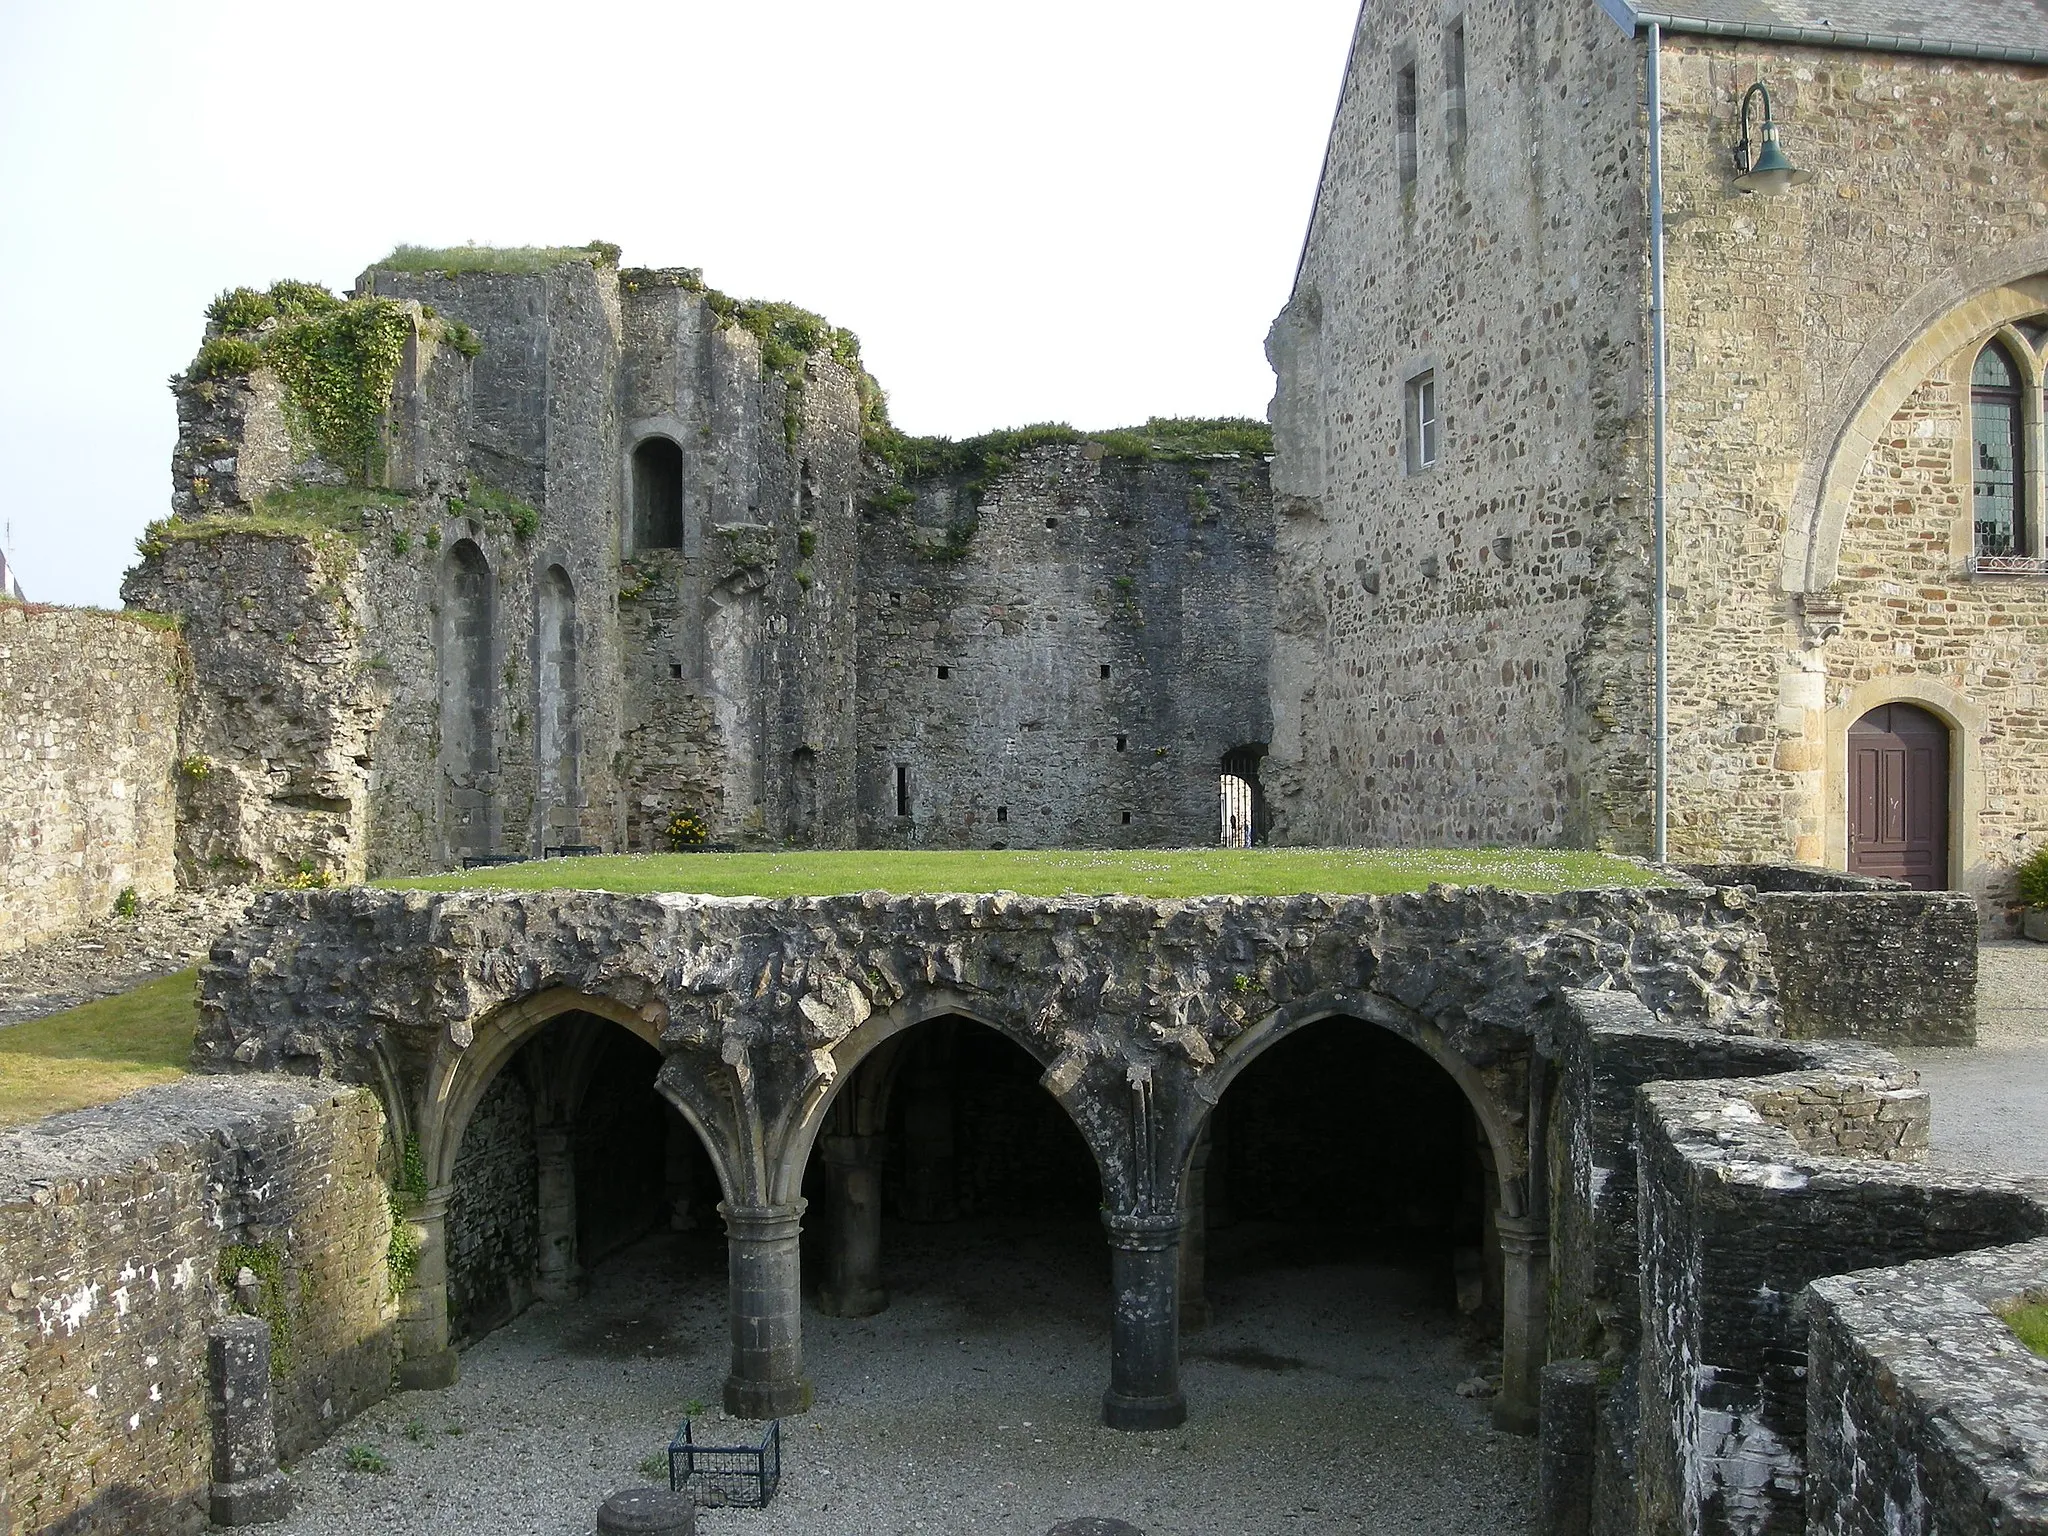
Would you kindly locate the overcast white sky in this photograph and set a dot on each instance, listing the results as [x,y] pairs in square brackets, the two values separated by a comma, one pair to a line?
[1079,210]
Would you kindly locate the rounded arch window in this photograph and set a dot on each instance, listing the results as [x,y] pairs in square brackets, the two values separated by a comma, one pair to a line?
[657,495]
[1997,439]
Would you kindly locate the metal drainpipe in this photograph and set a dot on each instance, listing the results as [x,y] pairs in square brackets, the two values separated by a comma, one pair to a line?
[1659,606]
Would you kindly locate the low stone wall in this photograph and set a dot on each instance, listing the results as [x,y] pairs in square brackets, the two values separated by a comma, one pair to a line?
[1925,1412]
[118,1229]
[88,749]
[1863,959]
[1737,1216]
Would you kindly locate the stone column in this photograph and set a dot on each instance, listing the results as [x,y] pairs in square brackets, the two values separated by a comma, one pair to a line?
[1525,1289]
[1564,1481]
[1194,1240]
[1144,1331]
[426,1361]
[557,1275]
[764,1278]
[247,1487]
[852,1168]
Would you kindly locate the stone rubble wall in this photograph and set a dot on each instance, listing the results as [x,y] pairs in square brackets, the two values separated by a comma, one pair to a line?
[89,708]
[1925,1413]
[115,1224]
[1737,1216]
[1864,959]
[494,1213]
[1160,573]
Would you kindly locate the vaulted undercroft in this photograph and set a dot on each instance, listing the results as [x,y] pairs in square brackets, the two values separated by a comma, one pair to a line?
[816,1040]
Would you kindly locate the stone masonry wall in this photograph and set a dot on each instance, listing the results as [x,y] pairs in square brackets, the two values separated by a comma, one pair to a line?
[1925,1413]
[494,1212]
[89,706]
[1738,1216]
[1067,664]
[1893,967]
[116,1225]
[1453,645]
[1927,193]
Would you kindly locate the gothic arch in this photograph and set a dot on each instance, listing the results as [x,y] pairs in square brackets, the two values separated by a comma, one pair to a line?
[1511,1156]
[1944,318]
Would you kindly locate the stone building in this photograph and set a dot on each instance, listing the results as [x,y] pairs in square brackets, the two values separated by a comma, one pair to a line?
[509,552]
[1468,466]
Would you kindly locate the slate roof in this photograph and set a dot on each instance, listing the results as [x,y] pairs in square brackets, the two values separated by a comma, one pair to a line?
[1995,29]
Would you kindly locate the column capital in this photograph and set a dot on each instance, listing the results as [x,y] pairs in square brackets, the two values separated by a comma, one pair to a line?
[763,1223]
[1523,1236]
[1148,1232]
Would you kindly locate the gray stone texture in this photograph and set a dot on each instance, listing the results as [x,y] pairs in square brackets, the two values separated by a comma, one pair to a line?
[113,1226]
[247,1487]
[1926,1415]
[1104,629]
[89,706]
[1738,1214]
[647,1512]
[1570,1408]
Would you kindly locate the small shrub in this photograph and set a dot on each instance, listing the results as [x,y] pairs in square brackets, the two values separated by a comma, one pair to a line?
[224,357]
[416,1431]
[127,904]
[2027,1317]
[305,876]
[197,769]
[655,1468]
[241,309]
[365,1458]
[2032,878]
[686,829]
[463,339]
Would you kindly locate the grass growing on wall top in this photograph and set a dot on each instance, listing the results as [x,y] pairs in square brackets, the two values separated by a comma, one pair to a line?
[2028,1318]
[97,1052]
[525,259]
[1060,872]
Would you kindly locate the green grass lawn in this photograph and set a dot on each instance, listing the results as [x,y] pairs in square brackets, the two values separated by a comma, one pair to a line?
[2028,1318]
[1062,872]
[98,1052]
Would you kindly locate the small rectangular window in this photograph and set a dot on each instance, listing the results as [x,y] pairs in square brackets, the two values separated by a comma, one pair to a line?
[944,673]
[1422,422]
[1454,84]
[1002,813]
[1127,818]
[903,789]
[1404,123]
[1122,742]
[1105,669]
[675,669]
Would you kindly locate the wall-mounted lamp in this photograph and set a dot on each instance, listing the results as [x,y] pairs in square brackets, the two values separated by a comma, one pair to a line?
[1765,169]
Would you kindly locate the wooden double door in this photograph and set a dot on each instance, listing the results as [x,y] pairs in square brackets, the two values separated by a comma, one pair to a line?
[1898,796]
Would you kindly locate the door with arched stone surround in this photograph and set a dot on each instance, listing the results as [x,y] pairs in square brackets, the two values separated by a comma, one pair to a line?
[1898,796]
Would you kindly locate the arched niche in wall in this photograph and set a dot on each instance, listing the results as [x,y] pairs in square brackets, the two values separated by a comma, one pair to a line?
[463,656]
[558,726]
[657,494]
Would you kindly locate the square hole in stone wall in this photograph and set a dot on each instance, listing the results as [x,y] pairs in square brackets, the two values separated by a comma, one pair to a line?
[1002,813]
[1127,818]
[1105,669]
[1122,742]
[896,597]
[945,672]
[1052,522]
[675,669]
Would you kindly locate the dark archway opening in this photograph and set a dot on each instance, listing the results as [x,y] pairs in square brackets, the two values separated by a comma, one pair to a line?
[948,1183]
[570,1162]
[657,495]
[1347,1194]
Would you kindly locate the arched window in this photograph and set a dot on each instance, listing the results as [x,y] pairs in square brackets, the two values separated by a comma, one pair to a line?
[556,739]
[657,495]
[1996,502]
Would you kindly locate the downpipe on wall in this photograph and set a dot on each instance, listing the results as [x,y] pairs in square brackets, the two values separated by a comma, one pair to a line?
[1659,607]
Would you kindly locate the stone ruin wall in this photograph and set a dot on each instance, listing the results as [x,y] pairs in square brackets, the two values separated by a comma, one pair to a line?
[89,707]
[1461,653]
[1103,630]
[116,1227]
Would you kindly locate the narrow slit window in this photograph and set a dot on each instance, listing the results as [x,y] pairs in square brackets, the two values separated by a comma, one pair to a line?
[1002,813]
[1122,742]
[1404,124]
[1105,669]
[1454,84]
[1995,454]
[1127,818]
[902,789]
[1422,422]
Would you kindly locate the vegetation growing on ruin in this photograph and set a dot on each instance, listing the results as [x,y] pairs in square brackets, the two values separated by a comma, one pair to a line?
[298,511]
[518,260]
[496,509]
[1064,872]
[97,1052]
[2028,1318]
[408,1189]
[273,1302]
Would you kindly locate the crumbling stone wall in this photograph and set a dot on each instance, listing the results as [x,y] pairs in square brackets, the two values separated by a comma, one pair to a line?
[116,1227]
[1738,1216]
[1924,1412]
[89,707]
[1065,662]
[494,1212]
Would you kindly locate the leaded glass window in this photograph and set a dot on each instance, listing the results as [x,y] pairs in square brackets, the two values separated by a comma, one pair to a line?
[1995,453]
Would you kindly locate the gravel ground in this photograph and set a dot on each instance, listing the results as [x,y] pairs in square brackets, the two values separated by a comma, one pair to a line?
[116,953]
[1991,1099]
[1323,1400]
